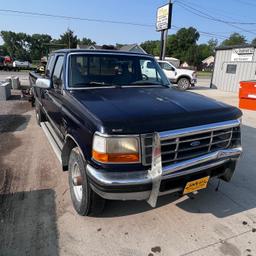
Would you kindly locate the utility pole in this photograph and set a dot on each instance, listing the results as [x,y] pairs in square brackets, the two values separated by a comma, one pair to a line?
[163,23]
[69,35]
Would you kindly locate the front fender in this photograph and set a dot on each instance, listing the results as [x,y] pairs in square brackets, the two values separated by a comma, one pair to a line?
[76,139]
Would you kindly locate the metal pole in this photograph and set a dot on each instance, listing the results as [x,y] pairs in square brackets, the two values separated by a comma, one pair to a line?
[164,34]
[162,45]
[69,40]
[165,43]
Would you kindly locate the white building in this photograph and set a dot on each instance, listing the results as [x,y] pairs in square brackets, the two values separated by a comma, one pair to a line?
[175,62]
[232,65]
[209,60]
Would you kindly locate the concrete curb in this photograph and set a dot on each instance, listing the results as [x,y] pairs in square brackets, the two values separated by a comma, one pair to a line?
[5,91]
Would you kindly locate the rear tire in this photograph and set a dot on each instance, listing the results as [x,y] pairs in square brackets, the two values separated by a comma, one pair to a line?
[183,83]
[85,201]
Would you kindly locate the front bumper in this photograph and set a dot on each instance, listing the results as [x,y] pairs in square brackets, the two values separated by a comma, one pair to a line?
[193,81]
[137,185]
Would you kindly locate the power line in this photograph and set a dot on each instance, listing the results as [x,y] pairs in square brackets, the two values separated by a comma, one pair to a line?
[97,20]
[74,18]
[209,17]
[207,33]
[214,18]
[218,11]
[246,3]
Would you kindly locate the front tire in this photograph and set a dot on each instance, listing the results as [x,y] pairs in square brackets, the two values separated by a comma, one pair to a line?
[85,201]
[183,83]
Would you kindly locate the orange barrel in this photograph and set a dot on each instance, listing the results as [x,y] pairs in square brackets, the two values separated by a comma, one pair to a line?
[247,95]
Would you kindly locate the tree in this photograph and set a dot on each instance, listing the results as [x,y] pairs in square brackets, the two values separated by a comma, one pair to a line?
[183,45]
[17,44]
[213,44]
[22,46]
[204,51]
[254,41]
[3,50]
[68,38]
[86,41]
[152,47]
[234,39]
[39,45]
[172,48]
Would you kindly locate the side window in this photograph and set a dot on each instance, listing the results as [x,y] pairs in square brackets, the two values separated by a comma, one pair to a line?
[231,69]
[57,77]
[161,64]
[168,67]
[49,66]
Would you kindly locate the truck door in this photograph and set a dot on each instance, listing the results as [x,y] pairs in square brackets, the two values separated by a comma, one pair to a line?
[52,101]
[169,70]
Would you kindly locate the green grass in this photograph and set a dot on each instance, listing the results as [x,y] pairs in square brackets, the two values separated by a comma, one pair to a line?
[204,74]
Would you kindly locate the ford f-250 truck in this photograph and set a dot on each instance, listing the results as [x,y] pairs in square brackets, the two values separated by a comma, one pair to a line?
[123,135]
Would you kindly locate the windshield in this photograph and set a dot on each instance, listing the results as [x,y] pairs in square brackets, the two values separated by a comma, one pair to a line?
[96,70]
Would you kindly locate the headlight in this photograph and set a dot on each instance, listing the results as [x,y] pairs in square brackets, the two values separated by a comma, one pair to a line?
[194,74]
[116,149]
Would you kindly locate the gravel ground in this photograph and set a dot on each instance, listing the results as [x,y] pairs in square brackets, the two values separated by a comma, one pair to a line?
[37,218]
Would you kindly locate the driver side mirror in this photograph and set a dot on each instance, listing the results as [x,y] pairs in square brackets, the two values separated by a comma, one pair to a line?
[43,83]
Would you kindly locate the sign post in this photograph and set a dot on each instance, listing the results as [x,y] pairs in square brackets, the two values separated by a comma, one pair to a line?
[163,23]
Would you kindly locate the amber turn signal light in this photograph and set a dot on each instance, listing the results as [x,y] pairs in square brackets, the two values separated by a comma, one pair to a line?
[115,157]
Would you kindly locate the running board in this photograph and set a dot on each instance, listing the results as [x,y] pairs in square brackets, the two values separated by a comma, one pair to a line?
[53,139]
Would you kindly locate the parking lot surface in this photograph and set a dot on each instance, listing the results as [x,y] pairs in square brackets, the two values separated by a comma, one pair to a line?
[37,218]
[23,76]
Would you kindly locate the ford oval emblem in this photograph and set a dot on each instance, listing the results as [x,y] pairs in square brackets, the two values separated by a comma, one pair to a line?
[195,143]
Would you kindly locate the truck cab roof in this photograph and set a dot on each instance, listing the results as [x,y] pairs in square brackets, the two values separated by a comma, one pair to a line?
[66,51]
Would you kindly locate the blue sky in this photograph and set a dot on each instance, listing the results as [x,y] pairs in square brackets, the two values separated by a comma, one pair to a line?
[136,11]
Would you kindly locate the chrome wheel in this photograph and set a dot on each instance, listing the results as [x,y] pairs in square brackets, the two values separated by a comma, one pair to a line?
[183,83]
[84,199]
[76,175]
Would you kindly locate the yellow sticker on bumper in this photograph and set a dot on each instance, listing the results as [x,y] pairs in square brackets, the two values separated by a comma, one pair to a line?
[196,185]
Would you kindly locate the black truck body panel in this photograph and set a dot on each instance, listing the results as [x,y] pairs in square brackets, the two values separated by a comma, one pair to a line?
[79,113]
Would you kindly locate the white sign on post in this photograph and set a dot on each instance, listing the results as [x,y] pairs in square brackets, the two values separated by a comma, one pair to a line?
[242,54]
[163,18]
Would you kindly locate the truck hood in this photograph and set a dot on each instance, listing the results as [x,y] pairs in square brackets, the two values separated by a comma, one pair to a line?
[142,110]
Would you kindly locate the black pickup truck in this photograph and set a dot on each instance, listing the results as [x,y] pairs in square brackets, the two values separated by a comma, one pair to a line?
[124,135]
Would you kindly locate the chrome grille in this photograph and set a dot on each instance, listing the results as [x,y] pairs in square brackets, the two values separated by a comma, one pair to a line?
[186,146]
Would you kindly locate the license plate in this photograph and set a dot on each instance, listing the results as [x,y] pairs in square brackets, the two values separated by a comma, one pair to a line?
[195,185]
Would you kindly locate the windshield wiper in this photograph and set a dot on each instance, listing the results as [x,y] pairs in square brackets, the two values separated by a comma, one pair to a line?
[145,83]
[104,84]
[96,83]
